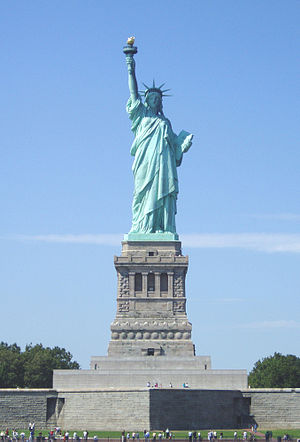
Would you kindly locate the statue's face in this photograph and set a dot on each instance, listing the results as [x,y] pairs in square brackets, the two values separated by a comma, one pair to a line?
[154,101]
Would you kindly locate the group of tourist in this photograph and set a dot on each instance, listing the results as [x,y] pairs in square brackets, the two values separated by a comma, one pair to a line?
[146,436]
[192,436]
[66,436]
[4,435]
[156,385]
[52,435]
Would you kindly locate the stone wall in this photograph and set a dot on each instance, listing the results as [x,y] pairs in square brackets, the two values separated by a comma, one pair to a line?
[137,375]
[275,408]
[152,409]
[137,409]
[19,407]
[105,410]
[197,409]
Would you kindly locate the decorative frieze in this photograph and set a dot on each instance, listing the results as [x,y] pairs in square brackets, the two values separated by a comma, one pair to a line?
[123,284]
[179,285]
[179,306]
[123,306]
[154,335]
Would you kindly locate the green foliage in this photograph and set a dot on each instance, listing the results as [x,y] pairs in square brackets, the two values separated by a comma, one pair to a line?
[277,371]
[33,367]
[11,369]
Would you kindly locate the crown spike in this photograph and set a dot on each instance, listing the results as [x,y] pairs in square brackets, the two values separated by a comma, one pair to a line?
[155,89]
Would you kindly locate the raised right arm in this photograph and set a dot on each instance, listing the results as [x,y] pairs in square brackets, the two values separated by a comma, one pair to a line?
[132,83]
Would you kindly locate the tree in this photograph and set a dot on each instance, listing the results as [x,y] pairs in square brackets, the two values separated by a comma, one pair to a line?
[39,363]
[277,371]
[11,368]
[32,368]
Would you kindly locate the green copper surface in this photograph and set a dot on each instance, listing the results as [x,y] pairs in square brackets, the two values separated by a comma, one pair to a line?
[158,152]
[166,236]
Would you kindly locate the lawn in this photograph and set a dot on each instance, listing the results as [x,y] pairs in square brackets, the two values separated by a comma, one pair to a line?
[227,434]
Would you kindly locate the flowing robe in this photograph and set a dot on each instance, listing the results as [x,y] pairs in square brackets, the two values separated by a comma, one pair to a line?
[157,151]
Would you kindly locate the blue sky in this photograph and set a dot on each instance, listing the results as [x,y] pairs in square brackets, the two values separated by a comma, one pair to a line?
[65,169]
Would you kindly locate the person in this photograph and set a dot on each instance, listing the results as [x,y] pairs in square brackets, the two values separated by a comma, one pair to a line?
[235,435]
[159,436]
[158,152]
[199,437]
[128,436]
[67,434]
[85,435]
[167,433]
[190,436]
[245,435]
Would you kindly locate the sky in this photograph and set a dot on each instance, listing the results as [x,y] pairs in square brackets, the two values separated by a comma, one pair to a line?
[65,168]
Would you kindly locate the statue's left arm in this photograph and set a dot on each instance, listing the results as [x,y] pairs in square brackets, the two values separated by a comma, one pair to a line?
[184,142]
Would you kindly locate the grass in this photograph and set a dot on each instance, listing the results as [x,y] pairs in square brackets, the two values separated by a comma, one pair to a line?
[227,434]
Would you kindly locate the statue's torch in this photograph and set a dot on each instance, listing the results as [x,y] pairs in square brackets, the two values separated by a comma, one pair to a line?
[130,49]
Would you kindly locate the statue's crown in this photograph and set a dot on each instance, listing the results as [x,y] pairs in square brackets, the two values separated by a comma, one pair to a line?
[156,89]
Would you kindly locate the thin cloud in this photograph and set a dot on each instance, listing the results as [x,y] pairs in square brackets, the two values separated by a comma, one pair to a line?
[261,242]
[281,323]
[277,216]
[110,239]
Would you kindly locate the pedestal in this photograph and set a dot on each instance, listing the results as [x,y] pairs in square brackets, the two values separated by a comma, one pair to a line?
[151,317]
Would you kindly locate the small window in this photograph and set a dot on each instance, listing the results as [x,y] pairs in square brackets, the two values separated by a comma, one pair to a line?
[150,351]
[151,282]
[205,366]
[163,282]
[138,282]
[151,253]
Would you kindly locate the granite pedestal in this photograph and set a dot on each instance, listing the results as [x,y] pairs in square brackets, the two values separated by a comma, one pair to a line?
[151,335]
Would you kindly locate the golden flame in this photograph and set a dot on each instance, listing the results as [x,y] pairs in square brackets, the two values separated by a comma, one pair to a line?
[130,41]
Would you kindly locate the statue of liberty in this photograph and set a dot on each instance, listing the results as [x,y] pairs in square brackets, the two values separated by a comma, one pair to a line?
[158,152]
